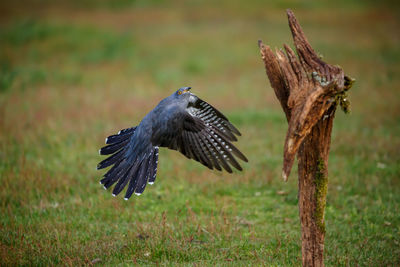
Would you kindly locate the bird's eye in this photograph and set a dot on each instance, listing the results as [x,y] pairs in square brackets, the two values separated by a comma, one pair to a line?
[179,92]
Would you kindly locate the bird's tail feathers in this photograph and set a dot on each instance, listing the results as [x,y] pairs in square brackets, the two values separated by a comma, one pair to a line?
[115,145]
[122,135]
[138,172]
[153,166]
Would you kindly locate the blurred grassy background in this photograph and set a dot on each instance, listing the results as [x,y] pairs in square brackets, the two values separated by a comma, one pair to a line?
[73,72]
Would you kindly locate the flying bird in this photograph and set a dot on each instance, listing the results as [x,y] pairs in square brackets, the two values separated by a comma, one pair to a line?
[182,122]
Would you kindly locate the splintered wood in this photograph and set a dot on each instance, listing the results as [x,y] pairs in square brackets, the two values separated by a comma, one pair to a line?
[308,90]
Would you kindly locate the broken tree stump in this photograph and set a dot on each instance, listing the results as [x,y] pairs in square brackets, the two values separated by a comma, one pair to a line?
[309,91]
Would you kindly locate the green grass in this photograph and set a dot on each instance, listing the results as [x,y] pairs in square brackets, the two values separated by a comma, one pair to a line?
[75,72]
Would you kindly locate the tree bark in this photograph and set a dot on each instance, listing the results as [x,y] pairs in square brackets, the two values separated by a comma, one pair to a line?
[313,185]
[309,91]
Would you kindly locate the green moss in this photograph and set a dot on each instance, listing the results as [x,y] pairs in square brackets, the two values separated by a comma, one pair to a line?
[321,183]
[342,97]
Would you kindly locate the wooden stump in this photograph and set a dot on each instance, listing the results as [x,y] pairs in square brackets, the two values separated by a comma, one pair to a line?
[309,91]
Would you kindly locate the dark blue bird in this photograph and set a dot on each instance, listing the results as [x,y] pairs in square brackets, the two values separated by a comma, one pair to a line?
[182,122]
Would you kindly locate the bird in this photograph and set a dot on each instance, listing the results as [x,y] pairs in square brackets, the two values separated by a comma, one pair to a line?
[182,122]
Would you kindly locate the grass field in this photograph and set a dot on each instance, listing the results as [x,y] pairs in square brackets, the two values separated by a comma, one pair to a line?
[73,73]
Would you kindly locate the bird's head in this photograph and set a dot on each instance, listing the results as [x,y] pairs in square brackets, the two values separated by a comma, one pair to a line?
[182,91]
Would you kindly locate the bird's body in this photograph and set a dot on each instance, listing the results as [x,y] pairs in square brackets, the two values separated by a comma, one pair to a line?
[181,122]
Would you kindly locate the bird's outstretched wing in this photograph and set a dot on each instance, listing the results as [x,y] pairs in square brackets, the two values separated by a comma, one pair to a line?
[206,136]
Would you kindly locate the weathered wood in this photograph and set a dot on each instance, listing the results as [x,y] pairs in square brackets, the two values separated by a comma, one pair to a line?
[309,90]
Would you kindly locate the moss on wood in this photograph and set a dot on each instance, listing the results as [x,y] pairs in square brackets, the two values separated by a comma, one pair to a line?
[321,189]
[342,97]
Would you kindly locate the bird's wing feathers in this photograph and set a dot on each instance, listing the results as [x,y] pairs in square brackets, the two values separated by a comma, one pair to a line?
[206,136]
[210,115]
